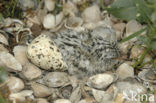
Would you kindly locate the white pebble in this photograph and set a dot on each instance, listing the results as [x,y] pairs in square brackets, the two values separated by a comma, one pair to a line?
[91,14]
[56,79]
[50,21]
[100,81]
[119,28]
[3,49]
[15,84]
[49,4]
[125,47]
[59,18]
[132,27]
[42,100]
[40,90]
[70,8]
[26,4]
[10,62]
[124,71]
[21,96]
[3,39]
[129,86]
[101,96]
[31,71]
[20,54]
[62,101]
[136,52]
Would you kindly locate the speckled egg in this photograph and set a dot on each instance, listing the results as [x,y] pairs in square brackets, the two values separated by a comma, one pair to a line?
[43,52]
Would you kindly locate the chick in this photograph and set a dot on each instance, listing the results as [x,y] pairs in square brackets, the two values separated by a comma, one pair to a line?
[89,52]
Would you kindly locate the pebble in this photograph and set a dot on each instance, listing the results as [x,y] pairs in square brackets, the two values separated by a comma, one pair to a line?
[15,84]
[125,47]
[43,52]
[62,101]
[50,21]
[131,27]
[3,49]
[69,8]
[20,54]
[129,86]
[136,52]
[91,14]
[74,22]
[56,79]
[148,75]
[21,96]
[76,95]
[49,4]
[10,62]
[31,71]
[42,100]
[85,101]
[124,71]
[101,96]
[40,90]
[119,28]
[3,39]
[26,4]
[100,81]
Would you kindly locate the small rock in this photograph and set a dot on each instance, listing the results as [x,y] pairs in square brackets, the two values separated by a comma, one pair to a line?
[91,14]
[62,101]
[120,98]
[100,81]
[31,71]
[43,52]
[124,71]
[69,8]
[3,39]
[132,27]
[86,101]
[26,4]
[130,86]
[21,96]
[76,95]
[40,90]
[136,52]
[119,28]
[66,91]
[42,100]
[49,4]
[15,84]
[83,101]
[50,21]
[73,22]
[20,54]
[3,49]
[102,96]
[56,79]
[125,47]
[10,62]
[148,75]
[130,101]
